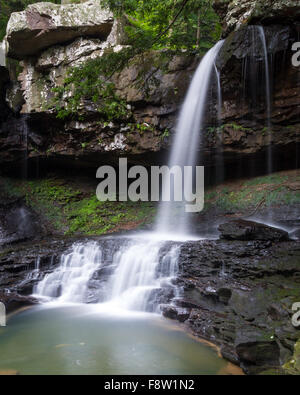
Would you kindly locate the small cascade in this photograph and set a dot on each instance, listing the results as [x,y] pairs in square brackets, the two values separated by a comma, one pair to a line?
[187,139]
[69,282]
[268,96]
[24,221]
[257,84]
[220,155]
[34,275]
[141,269]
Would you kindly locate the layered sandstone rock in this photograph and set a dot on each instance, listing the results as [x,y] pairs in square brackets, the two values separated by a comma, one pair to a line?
[236,14]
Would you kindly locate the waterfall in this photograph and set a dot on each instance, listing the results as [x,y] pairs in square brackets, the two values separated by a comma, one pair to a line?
[142,267]
[268,96]
[219,134]
[69,282]
[34,274]
[188,137]
[257,84]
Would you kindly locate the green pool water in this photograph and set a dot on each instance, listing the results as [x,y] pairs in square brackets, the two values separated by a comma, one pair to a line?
[82,340]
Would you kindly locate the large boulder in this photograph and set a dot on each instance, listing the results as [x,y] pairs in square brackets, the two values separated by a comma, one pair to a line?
[249,230]
[42,25]
[235,14]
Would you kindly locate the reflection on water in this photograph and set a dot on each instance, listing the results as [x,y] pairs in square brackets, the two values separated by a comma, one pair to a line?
[81,340]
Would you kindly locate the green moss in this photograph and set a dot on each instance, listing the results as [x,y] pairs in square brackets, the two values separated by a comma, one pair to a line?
[236,127]
[71,211]
[267,191]
[292,367]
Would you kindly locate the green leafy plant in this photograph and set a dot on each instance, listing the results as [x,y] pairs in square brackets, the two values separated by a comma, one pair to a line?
[90,81]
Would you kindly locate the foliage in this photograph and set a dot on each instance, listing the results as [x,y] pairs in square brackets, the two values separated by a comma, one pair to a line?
[9,6]
[89,81]
[194,27]
[71,210]
[197,26]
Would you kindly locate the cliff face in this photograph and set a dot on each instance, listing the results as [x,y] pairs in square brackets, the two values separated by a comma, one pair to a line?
[236,14]
[153,85]
[247,121]
[54,43]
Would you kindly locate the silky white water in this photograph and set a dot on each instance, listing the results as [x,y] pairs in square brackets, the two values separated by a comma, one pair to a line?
[219,144]
[142,268]
[69,282]
[187,139]
[268,95]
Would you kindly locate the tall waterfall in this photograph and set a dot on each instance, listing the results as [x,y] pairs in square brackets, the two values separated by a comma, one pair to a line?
[142,268]
[188,137]
[268,96]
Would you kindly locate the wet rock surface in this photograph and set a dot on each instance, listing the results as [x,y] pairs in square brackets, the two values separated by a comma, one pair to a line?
[14,301]
[239,295]
[236,294]
[250,230]
[91,141]
[18,222]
